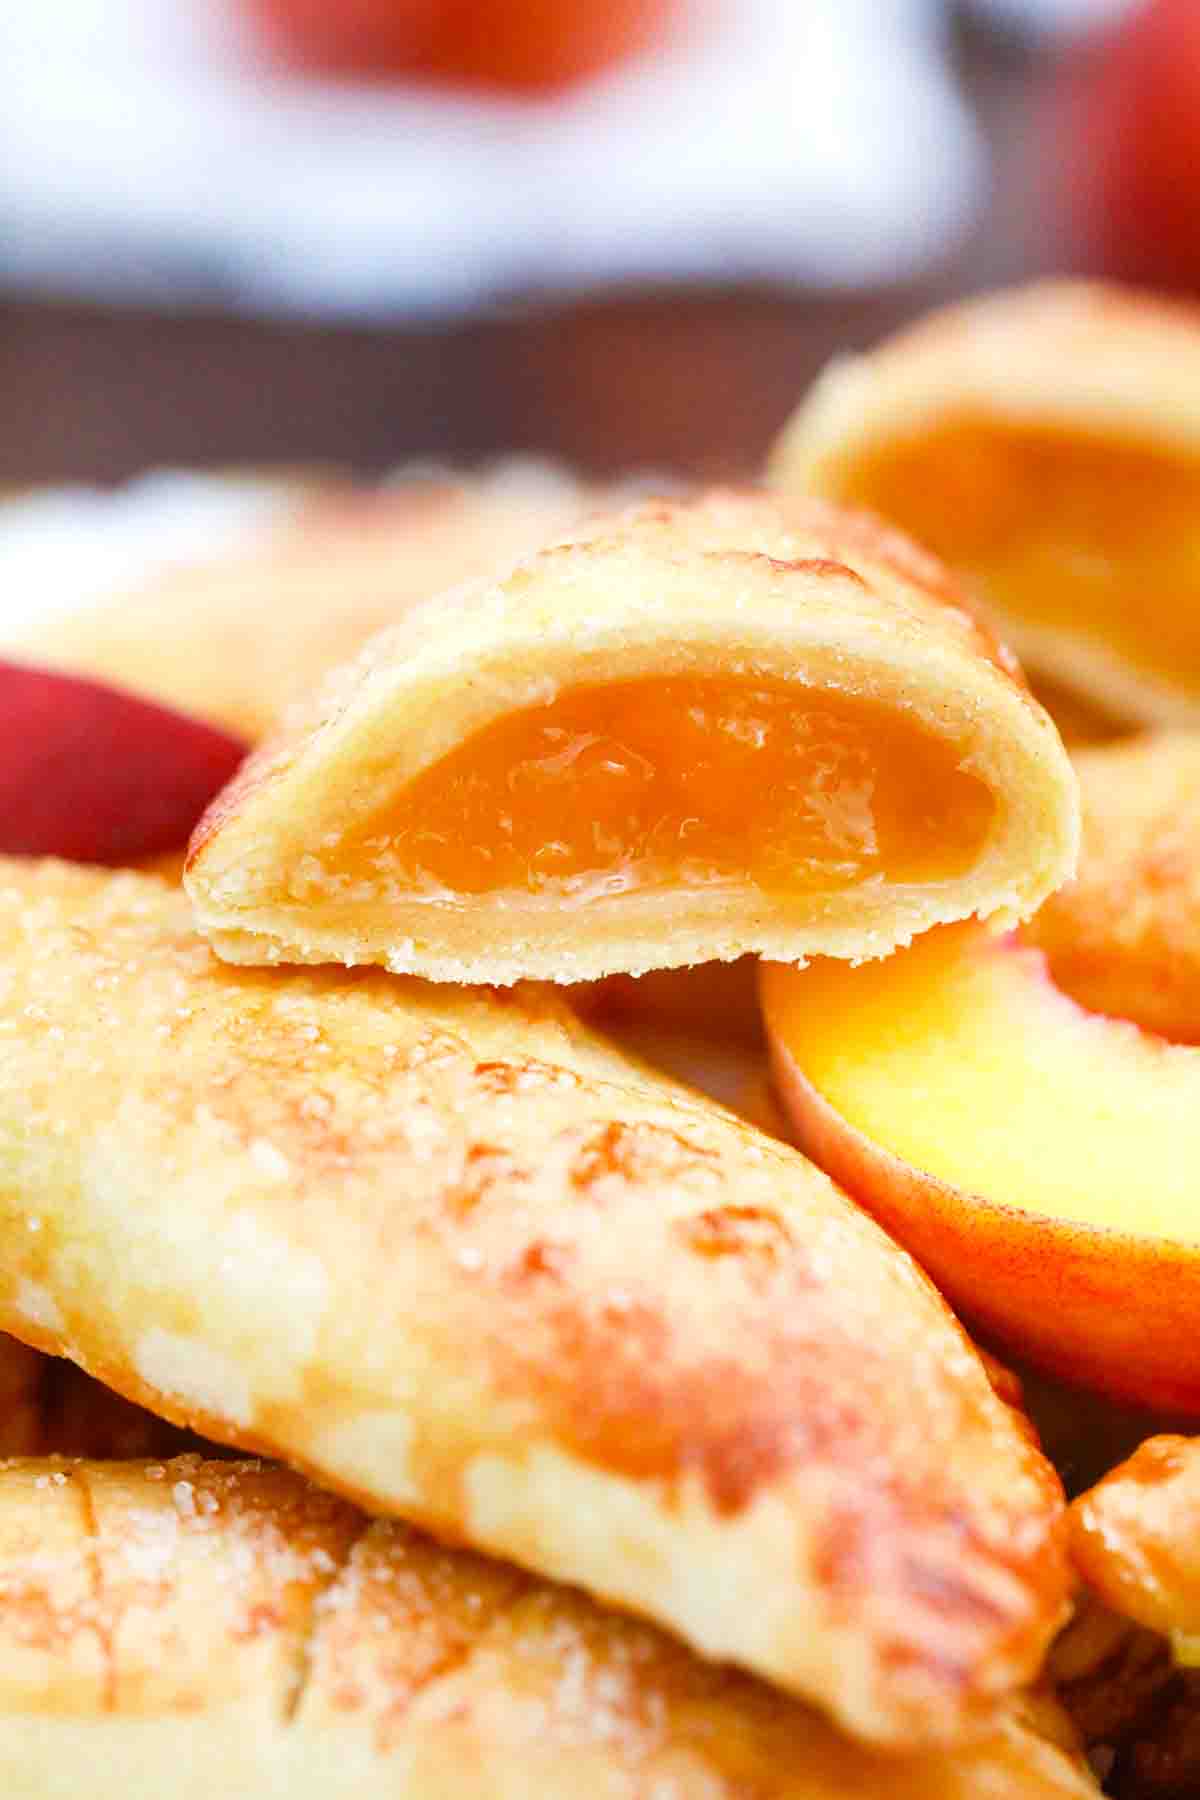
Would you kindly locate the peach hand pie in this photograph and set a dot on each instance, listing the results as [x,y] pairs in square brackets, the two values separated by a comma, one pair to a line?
[1123,937]
[200,1629]
[1128,1666]
[1046,443]
[236,638]
[689,731]
[454,1255]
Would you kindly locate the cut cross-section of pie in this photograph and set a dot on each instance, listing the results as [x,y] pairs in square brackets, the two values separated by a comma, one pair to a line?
[462,1260]
[691,730]
[1046,443]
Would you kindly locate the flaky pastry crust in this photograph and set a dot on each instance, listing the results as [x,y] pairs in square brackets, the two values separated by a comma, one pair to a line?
[727,585]
[1135,1538]
[238,638]
[459,1258]
[208,1628]
[1124,936]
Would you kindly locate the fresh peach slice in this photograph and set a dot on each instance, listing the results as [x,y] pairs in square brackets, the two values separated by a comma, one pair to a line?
[1043,1162]
[93,774]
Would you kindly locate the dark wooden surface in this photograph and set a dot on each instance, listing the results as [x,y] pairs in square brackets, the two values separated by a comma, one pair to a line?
[692,381]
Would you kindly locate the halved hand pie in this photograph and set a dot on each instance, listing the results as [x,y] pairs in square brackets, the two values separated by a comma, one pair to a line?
[456,1256]
[690,731]
[1046,443]
[201,1628]
[237,638]
[1041,1161]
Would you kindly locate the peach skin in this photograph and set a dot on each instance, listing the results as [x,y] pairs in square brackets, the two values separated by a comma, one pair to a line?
[1039,1160]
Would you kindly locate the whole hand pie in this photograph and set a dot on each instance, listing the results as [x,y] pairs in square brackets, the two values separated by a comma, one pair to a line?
[453,1254]
[1135,1538]
[237,638]
[200,1628]
[693,729]
[1046,443]
[1123,937]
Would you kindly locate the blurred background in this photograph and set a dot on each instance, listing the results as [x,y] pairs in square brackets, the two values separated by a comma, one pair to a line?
[626,232]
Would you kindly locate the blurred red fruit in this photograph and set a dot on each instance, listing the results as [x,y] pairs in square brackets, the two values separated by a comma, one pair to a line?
[96,775]
[348,37]
[526,46]
[1131,147]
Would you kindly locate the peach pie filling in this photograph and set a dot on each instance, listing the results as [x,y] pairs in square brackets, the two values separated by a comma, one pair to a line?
[1094,534]
[650,783]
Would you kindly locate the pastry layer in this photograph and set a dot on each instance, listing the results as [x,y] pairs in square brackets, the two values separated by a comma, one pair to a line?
[1135,1538]
[1046,443]
[455,1255]
[200,1628]
[1123,937]
[238,638]
[691,731]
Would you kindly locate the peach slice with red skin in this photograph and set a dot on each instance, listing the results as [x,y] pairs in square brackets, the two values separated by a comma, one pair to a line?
[94,774]
[1042,1162]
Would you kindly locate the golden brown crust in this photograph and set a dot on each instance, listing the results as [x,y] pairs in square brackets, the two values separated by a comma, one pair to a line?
[218,1627]
[461,1259]
[729,585]
[1124,936]
[238,638]
[1128,1668]
[1135,1537]
[1086,354]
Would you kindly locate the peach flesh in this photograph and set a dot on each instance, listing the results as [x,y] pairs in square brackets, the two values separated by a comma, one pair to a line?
[1040,1161]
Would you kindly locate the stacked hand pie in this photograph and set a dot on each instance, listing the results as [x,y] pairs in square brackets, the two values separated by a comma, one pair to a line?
[628,1454]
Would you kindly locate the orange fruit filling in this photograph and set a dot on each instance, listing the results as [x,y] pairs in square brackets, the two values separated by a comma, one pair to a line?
[1091,533]
[649,783]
